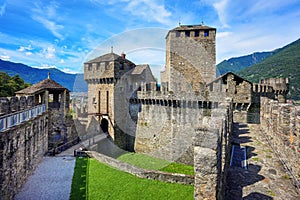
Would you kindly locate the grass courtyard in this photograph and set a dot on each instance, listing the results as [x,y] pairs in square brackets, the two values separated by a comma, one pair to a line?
[95,180]
[151,163]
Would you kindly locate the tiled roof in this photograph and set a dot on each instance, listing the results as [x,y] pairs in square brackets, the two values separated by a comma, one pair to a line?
[108,57]
[44,84]
[139,69]
[238,78]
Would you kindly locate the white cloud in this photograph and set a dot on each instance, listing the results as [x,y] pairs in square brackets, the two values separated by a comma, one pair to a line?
[70,71]
[2,9]
[23,48]
[49,52]
[45,66]
[4,57]
[28,53]
[267,6]
[50,25]
[47,16]
[149,10]
[221,10]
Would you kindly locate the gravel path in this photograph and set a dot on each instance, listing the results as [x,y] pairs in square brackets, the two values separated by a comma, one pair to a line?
[51,180]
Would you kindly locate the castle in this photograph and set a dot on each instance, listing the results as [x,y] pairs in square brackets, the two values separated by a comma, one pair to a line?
[142,116]
[189,116]
[186,118]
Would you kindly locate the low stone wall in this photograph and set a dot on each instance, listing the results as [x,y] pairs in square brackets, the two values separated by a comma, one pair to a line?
[21,149]
[142,173]
[211,154]
[13,104]
[281,124]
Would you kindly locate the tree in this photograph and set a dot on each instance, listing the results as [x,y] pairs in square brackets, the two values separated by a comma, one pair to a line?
[10,85]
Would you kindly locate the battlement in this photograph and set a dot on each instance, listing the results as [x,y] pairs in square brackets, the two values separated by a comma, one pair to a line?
[14,104]
[262,88]
[160,93]
[278,84]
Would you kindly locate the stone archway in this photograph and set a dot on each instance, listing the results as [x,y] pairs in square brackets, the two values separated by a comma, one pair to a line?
[104,125]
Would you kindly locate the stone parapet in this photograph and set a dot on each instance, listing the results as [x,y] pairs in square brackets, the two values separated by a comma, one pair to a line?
[14,104]
[211,154]
[22,148]
[281,124]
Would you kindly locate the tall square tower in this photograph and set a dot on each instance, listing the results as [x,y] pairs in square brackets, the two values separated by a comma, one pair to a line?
[190,57]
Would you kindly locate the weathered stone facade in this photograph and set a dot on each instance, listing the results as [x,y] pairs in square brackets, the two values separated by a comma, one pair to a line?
[190,57]
[14,104]
[167,121]
[112,80]
[22,148]
[211,153]
[281,124]
[29,126]
[189,117]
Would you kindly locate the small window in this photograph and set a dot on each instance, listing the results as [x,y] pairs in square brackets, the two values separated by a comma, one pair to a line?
[98,66]
[197,33]
[206,33]
[90,66]
[177,33]
[187,33]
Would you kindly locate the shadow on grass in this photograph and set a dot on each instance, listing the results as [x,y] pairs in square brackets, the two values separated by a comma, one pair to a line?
[79,182]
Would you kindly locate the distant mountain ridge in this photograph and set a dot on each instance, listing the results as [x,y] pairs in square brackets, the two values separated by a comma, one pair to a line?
[74,82]
[285,62]
[238,63]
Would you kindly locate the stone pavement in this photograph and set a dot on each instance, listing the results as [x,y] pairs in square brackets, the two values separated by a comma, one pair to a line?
[52,179]
[266,177]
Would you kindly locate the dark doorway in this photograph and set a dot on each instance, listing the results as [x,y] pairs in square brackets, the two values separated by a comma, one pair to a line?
[104,125]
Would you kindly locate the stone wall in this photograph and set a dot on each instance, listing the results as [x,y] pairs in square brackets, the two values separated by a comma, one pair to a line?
[190,58]
[166,122]
[142,173]
[14,104]
[211,154]
[21,149]
[281,124]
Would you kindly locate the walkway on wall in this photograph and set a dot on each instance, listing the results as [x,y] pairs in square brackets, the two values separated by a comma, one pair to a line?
[52,179]
[264,177]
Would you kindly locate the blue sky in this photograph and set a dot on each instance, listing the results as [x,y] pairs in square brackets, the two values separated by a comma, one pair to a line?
[64,33]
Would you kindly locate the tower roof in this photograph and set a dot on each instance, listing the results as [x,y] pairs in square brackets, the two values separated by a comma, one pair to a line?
[42,85]
[108,57]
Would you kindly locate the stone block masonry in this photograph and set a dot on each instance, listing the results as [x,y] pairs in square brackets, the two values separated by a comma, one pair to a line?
[142,173]
[211,154]
[21,149]
[281,124]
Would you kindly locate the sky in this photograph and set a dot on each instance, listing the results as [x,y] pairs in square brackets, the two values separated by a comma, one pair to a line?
[66,33]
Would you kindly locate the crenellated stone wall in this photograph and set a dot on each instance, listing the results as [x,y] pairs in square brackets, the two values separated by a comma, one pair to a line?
[166,122]
[211,153]
[21,149]
[281,124]
[13,104]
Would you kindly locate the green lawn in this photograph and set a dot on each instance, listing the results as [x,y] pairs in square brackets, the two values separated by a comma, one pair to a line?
[104,182]
[79,184]
[151,163]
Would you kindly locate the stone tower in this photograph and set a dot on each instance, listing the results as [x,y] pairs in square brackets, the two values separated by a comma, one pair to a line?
[101,75]
[190,57]
[112,80]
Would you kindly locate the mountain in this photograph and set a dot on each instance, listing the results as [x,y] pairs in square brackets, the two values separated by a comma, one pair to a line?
[239,63]
[285,62]
[74,82]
